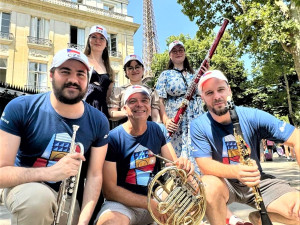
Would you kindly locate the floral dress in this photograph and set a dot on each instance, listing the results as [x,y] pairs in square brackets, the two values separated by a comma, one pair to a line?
[171,86]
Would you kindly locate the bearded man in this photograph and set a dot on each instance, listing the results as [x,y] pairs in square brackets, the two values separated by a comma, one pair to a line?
[216,152]
[36,134]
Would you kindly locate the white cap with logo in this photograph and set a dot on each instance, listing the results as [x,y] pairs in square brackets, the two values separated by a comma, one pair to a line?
[99,29]
[69,53]
[133,57]
[211,74]
[174,43]
[135,89]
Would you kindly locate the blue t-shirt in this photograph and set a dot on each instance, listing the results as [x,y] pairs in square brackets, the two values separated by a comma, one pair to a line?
[212,139]
[136,164]
[45,135]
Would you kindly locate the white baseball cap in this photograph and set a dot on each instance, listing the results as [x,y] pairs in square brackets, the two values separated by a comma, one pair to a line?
[135,89]
[133,57]
[99,29]
[69,53]
[211,74]
[174,43]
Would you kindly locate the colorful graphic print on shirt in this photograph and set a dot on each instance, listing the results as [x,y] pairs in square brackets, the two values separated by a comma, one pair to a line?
[142,163]
[230,153]
[57,148]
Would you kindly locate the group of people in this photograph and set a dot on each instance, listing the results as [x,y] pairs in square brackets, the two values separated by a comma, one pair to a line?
[36,135]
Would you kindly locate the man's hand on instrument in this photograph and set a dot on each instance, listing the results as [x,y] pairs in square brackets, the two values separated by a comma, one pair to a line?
[185,164]
[249,175]
[66,167]
[162,217]
[171,126]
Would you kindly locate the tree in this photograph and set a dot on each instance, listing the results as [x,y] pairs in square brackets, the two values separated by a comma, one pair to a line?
[225,59]
[255,24]
[277,81]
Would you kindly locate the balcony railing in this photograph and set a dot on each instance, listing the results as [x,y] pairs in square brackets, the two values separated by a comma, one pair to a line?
[39,41]
[91,9]
[107,13]
[79,47]
[115,54]
[41,88]
[7,36]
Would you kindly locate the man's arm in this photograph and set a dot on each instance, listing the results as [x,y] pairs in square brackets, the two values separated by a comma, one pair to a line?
[116,193]
[11,175]
[294,141]
[93,184]
[248,175]
[168,152]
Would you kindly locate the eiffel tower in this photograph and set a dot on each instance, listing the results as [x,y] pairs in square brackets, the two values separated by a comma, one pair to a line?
[150,42]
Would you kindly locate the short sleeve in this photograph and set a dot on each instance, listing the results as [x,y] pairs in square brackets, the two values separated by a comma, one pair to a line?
[103,132]
[12,117]
[161,85]
[200,143]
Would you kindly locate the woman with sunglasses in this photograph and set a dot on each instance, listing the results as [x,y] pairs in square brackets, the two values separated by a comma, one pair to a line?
[102,77]
[134,71]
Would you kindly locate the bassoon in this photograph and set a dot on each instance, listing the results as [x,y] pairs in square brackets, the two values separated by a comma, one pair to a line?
[192,88]
[244,152]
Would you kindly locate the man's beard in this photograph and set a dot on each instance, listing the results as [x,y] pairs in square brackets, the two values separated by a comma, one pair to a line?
[218,112]
[59,94]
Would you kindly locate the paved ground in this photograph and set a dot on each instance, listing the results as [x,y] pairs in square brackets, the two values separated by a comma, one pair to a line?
[279,167]
[289,171]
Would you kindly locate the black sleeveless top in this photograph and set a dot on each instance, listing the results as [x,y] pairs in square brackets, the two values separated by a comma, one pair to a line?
[96,94]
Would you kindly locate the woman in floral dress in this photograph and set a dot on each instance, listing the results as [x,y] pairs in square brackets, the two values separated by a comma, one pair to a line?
[171,86]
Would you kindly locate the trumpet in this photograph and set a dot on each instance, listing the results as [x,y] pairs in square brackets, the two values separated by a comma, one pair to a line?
[68,186]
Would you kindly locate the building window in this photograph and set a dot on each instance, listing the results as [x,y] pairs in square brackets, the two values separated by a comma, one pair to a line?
[37,78]
[3,66]
[112,44]
[108,7]
[77,38]
[39,28]
[4,22]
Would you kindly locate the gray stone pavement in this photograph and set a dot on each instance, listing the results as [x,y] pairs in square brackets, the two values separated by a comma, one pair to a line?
[279,167]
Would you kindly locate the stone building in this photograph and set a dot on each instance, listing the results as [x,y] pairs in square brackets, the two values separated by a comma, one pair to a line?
[32,31]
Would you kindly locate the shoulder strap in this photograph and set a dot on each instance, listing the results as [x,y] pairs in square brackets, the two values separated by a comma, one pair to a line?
[183,78]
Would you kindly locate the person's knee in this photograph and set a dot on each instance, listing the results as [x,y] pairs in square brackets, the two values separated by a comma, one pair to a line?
[36,198]
[287,205]
[110,217]
[41,199]
[215,189]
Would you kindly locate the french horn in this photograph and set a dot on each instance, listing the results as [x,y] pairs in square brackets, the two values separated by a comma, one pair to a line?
[180,196]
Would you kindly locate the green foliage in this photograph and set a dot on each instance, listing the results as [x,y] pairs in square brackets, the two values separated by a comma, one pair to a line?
[225,59]
[261,28]
[254,23]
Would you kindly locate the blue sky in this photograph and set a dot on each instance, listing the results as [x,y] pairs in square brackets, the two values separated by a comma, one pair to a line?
[169,21]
